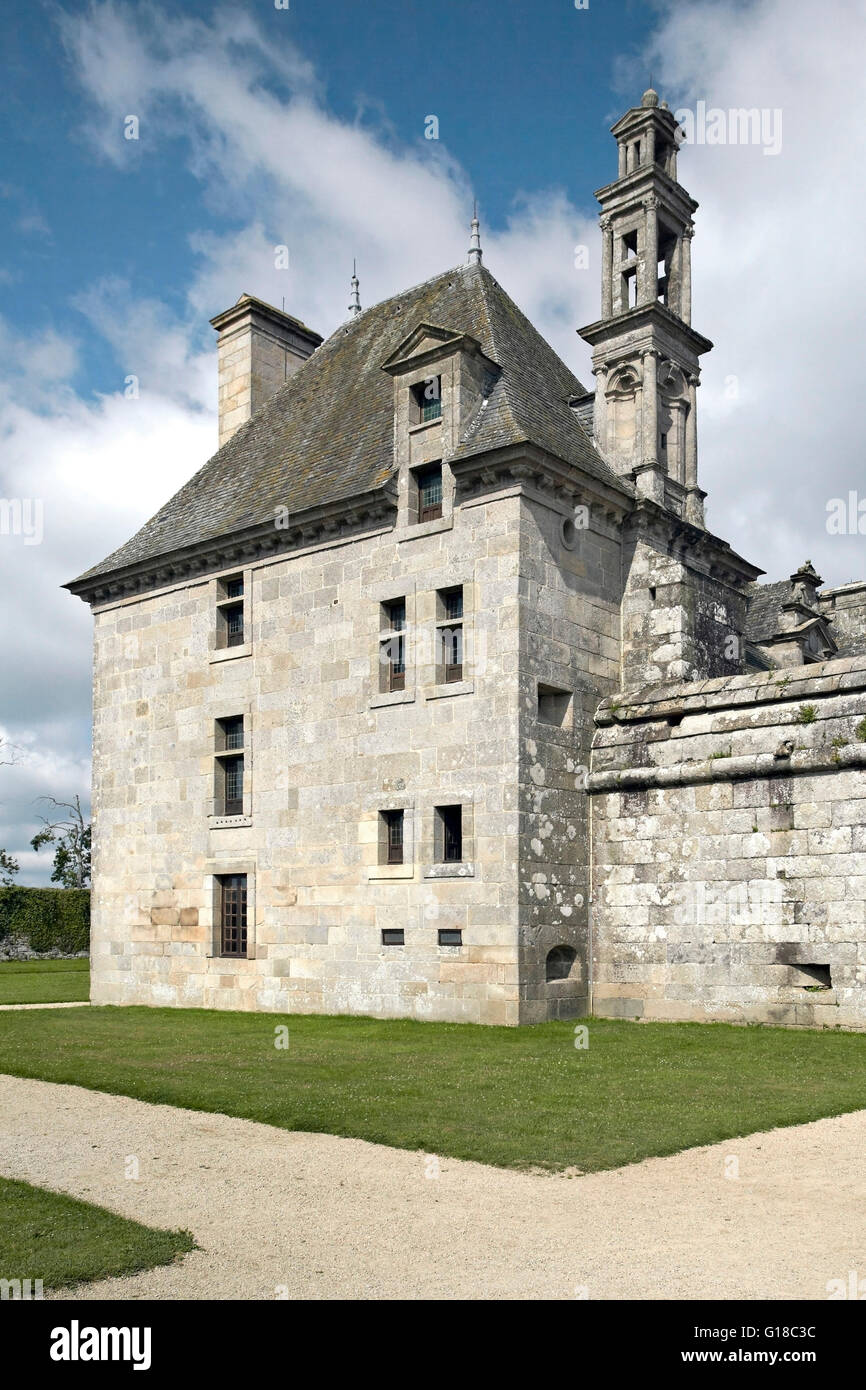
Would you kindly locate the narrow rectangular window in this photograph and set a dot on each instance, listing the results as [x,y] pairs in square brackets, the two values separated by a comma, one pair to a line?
[229,739]
[233,772]
[230,611]
[427,400]
[630,290]
[554,706]
[450,936]
[234,619]
[391,842]
[393,936]
[449,834]
[452,653]
[233,914]
[452,602]
[429,482]
[232,732]
[450,633]
[392,648]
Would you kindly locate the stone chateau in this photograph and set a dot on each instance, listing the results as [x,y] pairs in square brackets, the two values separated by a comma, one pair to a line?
[431,694]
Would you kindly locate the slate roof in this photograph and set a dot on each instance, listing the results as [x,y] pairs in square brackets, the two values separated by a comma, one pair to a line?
[765,602]
[584,409]
[764,614]
[327,435]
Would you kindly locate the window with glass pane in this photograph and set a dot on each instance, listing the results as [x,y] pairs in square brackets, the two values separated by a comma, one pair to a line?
[449,834]
[234,621]
[397,663]
[235,587]
[427,399]
[233,732]
[430,493]
[393,836]
[233,914]
[393,649]
[452,653]
[233,771]
[396,614]
[452,602]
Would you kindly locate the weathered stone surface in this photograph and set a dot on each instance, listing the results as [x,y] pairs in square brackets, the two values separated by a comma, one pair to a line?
[753,921]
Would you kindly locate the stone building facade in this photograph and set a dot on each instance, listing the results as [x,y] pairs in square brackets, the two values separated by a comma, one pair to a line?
[431,694]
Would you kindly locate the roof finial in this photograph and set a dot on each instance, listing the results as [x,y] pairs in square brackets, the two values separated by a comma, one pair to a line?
[355,306]
[475,251]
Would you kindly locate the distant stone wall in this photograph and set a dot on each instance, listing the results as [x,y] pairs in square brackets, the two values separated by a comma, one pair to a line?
[729,849]
[44,922]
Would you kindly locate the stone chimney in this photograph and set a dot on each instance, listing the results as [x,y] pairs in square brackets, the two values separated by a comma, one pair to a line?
[259,348]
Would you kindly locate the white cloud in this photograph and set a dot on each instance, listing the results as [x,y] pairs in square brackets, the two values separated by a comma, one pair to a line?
[776,273]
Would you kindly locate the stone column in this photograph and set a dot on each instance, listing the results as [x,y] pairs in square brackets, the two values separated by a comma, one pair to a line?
[606,268]
[651,251]
[650,408]
[694,498]
[691,473]
[623,159]
[686,275]
[650,145]
[676,446]
[599,414]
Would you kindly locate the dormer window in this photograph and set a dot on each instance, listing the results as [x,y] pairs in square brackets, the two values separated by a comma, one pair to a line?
[429,484]
[427,400]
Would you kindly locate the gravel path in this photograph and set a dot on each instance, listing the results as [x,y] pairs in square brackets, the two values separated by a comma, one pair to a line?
[281,1214]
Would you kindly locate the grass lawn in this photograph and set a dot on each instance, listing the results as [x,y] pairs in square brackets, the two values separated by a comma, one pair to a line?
[508,1096]
[44,981]
[45,1235]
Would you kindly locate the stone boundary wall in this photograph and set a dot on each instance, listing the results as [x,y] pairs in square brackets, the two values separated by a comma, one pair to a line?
[729,849]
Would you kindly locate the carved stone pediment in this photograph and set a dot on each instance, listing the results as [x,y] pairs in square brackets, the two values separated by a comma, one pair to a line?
[426,342]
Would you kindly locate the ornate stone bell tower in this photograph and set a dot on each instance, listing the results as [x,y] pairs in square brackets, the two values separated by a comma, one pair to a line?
[645,352]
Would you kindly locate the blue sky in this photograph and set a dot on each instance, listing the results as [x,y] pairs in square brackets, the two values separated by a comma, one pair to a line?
[262,127]
[524,94]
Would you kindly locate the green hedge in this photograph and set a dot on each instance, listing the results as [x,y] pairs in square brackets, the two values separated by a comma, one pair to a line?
[49,919]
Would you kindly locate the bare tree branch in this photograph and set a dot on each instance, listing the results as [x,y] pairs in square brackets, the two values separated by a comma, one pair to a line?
[10,748]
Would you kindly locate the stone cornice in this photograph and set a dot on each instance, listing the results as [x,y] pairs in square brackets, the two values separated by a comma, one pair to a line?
[788,685]
[728,769]
[691,544]
[337,521]
[644,316]
[527,465]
